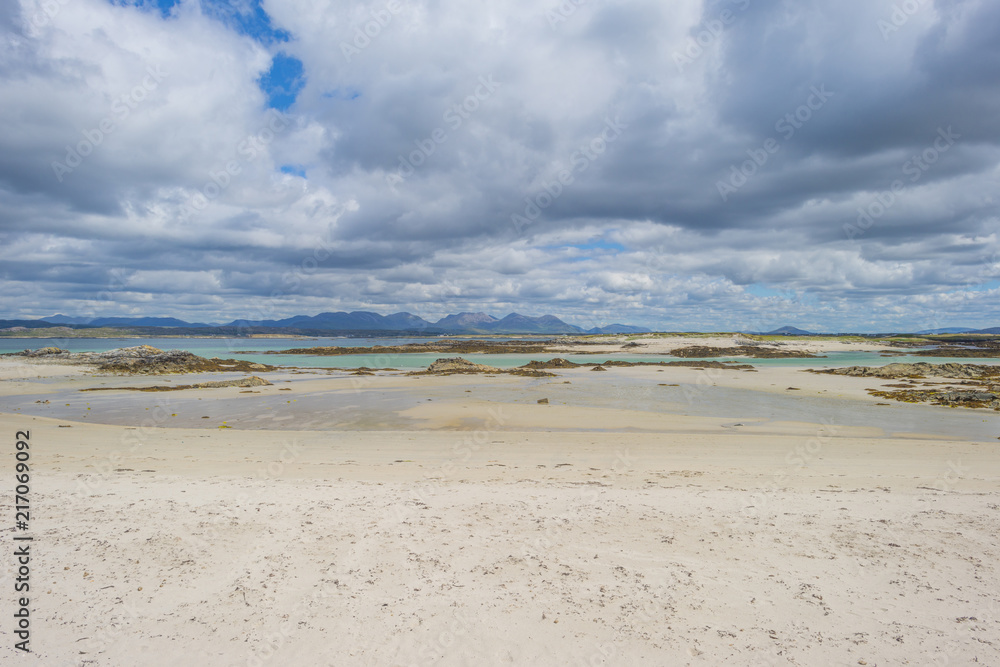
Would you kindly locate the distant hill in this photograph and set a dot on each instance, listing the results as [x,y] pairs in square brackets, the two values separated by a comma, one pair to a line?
[30,324]
[991,330]
[355,322]
[141,322]
[470,323]
[789,331]
[617,329]
[63,319]
[465,321]
[946,330]
[341,321]
[517,323]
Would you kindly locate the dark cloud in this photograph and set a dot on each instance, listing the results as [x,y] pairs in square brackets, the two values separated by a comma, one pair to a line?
[851,211]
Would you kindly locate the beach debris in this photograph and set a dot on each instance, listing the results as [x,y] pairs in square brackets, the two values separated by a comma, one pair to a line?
[543,401]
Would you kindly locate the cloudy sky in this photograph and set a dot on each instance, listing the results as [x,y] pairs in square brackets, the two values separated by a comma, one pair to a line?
[681,164]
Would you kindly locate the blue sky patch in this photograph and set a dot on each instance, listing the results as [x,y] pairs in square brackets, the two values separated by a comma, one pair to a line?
[599,244]
[246,17]
[760,290]
[293,169]
[162,6]
[283,81]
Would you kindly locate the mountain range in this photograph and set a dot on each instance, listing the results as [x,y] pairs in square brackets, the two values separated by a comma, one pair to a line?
[361,322]
[461,323]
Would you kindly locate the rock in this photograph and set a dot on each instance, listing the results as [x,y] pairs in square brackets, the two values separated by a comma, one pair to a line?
[543,401]
[558,362]
[598,368]
[147,360]
[459,365]
[967,396]
[454,365]
[917,370]
[44,352]
[144,360]
[252,381]
[756,351]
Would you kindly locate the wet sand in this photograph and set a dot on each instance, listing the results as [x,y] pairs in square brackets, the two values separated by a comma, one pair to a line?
[494,530]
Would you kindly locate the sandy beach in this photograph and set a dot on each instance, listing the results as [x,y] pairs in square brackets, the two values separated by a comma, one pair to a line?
[610,526]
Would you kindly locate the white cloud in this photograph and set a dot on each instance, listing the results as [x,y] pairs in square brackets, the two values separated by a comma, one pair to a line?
[641,233]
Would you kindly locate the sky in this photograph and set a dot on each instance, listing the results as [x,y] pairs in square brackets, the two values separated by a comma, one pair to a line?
[682,165]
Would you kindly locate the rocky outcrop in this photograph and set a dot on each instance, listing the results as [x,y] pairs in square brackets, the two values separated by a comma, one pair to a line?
[949,398]
[756,351]
[558,362]
[144,360]
[252,381]
[730,365]
[918,370]
[43,352]
[458,365]
[444,347]
[982,394]
[983,351]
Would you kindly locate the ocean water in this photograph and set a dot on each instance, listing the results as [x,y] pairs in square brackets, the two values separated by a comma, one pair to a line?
[349,403]
[238,348]
[347,408]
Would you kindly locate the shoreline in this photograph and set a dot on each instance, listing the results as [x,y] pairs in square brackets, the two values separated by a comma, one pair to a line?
[455,519]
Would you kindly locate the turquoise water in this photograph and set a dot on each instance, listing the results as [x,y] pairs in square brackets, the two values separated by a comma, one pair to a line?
[206,347]
[233,347]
